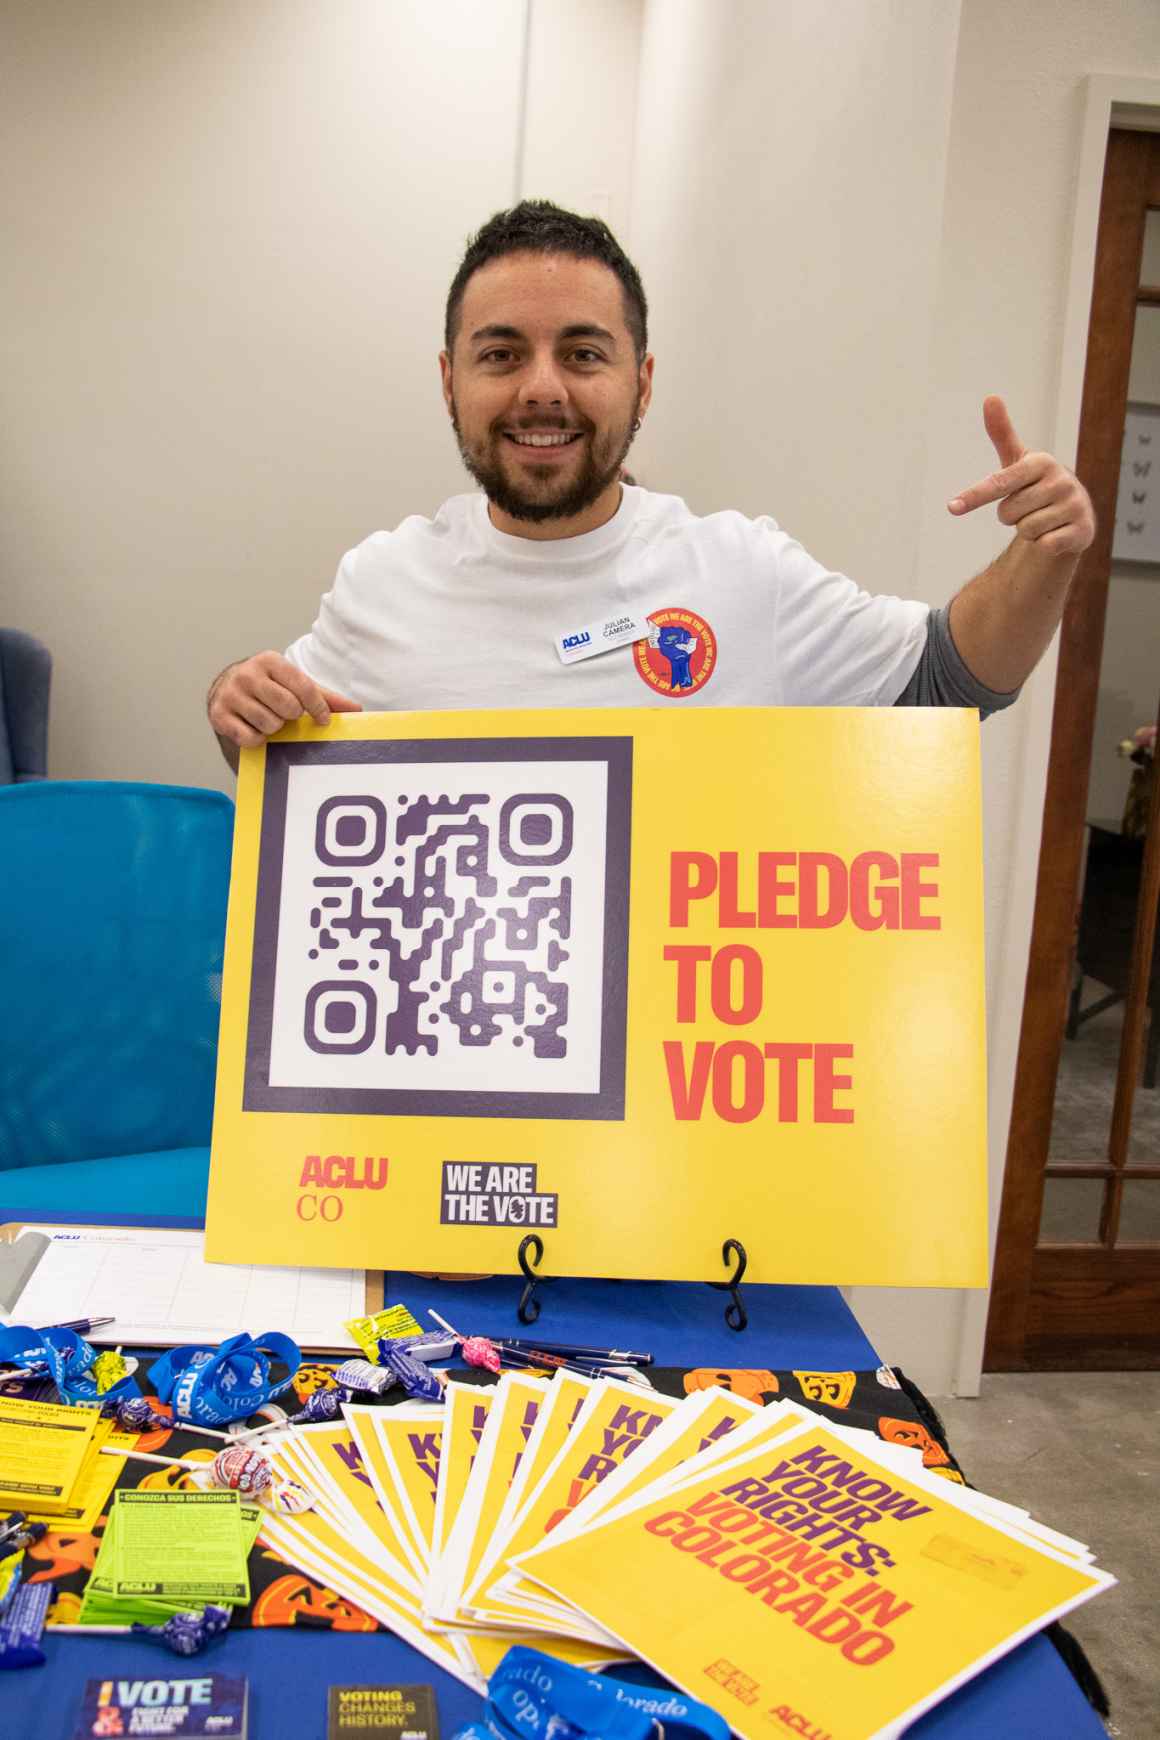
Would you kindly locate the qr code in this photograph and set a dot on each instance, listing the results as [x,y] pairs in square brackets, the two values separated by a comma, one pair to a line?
[441,928]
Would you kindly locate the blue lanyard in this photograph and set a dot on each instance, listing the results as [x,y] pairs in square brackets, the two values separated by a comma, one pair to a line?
[534,1697]
[213,1385]
[67,1360]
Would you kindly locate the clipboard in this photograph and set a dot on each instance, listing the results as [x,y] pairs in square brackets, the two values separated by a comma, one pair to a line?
[156,1285]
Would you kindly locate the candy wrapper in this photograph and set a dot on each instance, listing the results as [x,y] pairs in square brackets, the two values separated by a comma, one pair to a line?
[361,1375]
[393,1321]
[21,1624]
[187,1633]
[420,1382]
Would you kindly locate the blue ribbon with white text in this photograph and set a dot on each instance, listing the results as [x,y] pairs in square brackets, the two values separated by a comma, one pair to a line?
[534,1697]
[210,1386]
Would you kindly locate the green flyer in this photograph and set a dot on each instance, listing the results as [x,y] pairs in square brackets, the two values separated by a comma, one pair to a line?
[181,1546]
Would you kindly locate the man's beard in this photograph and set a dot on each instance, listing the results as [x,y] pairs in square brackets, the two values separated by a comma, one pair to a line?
[597,471]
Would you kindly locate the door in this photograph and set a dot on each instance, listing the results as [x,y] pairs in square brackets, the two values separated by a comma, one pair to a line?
[1077,1266]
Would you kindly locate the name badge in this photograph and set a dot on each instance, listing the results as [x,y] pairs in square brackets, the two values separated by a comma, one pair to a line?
[600,637]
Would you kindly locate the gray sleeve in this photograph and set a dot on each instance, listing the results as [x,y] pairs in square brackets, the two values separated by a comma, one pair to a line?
[941,679]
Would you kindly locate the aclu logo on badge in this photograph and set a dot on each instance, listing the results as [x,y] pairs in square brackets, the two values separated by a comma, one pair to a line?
[571,640]
[489,1195]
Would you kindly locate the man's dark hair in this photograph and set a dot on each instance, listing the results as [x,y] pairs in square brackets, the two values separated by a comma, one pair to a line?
[536,226]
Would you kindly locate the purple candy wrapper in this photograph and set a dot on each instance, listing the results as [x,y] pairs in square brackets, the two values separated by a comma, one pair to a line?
[21,1623]
[418,1381]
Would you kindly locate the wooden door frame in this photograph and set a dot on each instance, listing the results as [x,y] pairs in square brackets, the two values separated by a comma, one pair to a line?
[1109,100]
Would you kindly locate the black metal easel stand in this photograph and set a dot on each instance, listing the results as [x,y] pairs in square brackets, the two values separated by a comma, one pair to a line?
[736,1316]
[529,1306]
[528,1309]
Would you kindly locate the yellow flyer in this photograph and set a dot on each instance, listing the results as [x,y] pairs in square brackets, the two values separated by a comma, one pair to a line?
[367,1530]
[808,1583]
[616,1419]
[333,1466]
[466,1407]
[411,1440]
[43,1446]
[709,1418]
[314,1546]
[638,982]
[563,1401]
[94,1483]
[515,1403]
[361,1420]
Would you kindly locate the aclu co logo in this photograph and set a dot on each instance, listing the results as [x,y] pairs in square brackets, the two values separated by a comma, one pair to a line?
[331,1174]
[486,1195]
[799,1724]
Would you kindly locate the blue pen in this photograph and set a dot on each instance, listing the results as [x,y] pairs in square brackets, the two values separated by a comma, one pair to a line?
[82,1325]
[569,1350]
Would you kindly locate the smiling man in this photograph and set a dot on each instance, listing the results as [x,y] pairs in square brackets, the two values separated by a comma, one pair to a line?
[560,585]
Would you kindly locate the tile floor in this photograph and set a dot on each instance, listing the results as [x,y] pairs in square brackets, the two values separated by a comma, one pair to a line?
[1081,1452]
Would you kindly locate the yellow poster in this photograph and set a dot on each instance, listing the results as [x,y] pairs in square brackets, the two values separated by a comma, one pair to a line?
[370,1536]
[616,1420]
[411,1439]
[361,1419]
[710,1418]
[333,1468]
[638,982]
[313,1545]
[808,1583]
[515,1404]
[465,1411]
[563,1401]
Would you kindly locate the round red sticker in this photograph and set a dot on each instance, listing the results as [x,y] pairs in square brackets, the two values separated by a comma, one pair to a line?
[680,654]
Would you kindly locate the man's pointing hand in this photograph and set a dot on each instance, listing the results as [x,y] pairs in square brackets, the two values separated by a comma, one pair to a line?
[1041,499]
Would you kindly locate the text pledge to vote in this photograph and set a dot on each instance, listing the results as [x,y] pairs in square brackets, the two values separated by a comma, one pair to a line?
[796,1080]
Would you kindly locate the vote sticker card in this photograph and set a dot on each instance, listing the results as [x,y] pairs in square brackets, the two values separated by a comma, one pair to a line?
[637,981]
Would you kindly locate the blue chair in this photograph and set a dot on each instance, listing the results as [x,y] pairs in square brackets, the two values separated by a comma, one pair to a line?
[112,933]
[25,677]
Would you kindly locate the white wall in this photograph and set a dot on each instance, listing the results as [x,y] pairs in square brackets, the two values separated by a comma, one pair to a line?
[229,240]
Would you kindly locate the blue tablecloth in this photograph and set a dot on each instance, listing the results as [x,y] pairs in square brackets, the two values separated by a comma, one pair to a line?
[1027,1696]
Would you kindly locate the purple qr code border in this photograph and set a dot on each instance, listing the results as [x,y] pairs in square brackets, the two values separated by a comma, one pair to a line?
[607,1103]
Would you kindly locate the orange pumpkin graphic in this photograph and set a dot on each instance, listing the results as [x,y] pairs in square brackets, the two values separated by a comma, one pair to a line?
[753,1385]
[296,1600]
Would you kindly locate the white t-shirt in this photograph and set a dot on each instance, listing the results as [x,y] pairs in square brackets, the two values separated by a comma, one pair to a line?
[451,613]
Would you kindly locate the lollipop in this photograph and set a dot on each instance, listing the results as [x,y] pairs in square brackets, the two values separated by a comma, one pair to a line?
[137,1414]
[242,1470]
[290,1498]
[187,1633]
[184,1633]
[478,1350]
[239,1467]
[322,1405]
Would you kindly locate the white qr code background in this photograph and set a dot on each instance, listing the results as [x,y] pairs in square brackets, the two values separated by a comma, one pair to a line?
[441,927]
